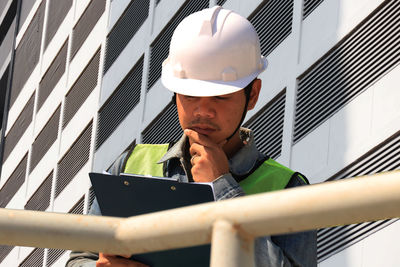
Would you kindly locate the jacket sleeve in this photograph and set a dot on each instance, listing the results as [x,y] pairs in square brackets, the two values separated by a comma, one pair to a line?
[298,249]
[88,259]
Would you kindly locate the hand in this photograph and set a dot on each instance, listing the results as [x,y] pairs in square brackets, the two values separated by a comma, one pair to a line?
[107,260]
[209,160]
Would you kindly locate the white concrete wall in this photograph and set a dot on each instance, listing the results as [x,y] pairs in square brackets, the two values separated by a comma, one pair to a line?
[362,124]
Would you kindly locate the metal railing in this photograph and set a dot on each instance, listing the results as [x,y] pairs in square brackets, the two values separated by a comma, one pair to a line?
[230,226]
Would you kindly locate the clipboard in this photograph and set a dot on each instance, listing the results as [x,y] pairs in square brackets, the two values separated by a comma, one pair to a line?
[131,195]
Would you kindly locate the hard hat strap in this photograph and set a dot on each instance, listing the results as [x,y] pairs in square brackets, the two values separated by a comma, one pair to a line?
[247,92]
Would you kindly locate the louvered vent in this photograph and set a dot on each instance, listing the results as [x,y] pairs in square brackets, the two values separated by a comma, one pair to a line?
[163,129]
[384,157]
[52,75]
[73,161]
[40,200]
[309,6]
[221,2]
[120,103]
[91,198]
[19,127]
[123,31]
[14,183]
[267,125]
[86,23]
[81,89]
[45,139]
[160,47]
[58,9]
[34,259]
[4,251]
[27,53]
[358,61]
[53,255]
[273,23]
[78,207]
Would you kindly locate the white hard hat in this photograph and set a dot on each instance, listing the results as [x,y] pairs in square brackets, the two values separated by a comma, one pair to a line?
[212,52]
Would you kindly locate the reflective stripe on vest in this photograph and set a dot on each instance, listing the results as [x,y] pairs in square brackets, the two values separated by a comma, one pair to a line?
[269,176]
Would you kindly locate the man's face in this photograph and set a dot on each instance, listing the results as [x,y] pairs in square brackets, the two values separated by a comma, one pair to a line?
[215,117]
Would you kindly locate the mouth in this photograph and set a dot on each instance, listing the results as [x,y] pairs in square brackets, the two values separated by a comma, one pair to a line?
[204,130]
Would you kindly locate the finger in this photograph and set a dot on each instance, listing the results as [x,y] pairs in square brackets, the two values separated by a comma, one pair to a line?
[192,159]
[195,137]
[197,149]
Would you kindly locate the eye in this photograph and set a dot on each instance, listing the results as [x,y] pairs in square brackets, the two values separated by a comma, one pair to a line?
[221,97]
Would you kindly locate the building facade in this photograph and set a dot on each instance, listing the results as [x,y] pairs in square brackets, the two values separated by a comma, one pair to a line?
[79,84]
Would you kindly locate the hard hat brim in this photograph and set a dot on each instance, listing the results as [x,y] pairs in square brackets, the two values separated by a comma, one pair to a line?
[201,88]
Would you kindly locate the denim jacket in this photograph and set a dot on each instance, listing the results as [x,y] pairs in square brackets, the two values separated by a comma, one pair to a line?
[298,249]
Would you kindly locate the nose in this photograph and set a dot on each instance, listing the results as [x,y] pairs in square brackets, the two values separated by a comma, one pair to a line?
[204,108]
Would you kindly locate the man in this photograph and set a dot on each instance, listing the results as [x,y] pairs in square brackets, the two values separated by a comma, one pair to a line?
[212,69]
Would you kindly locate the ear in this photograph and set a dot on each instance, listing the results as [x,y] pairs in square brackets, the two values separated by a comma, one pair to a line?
[255,92]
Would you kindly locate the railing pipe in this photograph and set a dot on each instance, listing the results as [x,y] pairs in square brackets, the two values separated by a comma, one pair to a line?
[342,202]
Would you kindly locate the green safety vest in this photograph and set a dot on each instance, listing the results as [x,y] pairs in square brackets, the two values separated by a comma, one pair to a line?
[269,176]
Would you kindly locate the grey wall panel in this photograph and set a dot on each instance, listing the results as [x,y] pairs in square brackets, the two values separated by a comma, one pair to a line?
[34,259]
[267,125]
[58,9]
[81,89]
[27,53]
[125,28]
[309,6]
[52,75]
[86,23]
[14,183]
[120,103]
[19,127]
[45,139]
[4,251]
[273,23]
[384,157]
[73,161]
[163,129]
[26,7]
[40,200]
[160,47]
[353,65]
